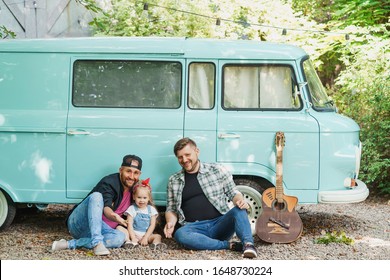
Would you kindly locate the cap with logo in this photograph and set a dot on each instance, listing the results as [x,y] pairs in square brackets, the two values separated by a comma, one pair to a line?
[132,161]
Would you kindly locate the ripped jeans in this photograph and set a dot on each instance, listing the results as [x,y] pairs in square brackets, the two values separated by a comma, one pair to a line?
[86,226]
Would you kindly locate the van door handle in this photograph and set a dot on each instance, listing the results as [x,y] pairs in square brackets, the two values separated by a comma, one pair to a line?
[78,132]
[228,136]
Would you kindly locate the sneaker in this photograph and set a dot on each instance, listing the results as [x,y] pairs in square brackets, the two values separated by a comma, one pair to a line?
[130,245]
[249,251]
[236,246]
[59,245]
[100,250]
[158,246]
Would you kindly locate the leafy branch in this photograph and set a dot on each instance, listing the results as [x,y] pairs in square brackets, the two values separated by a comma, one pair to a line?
[5,33]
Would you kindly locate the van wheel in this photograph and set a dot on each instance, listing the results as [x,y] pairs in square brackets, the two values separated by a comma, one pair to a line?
[251,191]
[7,210]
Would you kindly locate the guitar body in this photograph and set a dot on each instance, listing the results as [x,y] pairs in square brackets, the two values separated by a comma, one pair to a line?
[279,222]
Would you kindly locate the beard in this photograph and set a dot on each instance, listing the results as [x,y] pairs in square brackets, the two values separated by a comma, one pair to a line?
[128,183]
[191,167]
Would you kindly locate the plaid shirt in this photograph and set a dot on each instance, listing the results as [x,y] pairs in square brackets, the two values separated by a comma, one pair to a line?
[216,182]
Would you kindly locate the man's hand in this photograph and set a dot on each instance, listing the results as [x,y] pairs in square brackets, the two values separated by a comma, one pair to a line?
[119,219]
[242,204]
[168,230]
[171,219]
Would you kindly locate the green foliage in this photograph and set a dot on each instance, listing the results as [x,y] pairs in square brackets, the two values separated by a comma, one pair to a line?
[361,12]
[345,12]
[128,18]
[334,237]
[362,92]
[5,33]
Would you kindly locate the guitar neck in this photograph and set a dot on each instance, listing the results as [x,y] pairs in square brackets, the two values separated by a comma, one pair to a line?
[279,176]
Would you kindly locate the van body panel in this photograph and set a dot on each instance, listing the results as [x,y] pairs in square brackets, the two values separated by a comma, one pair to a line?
[193,48]
[33,112]
[255,143]
[35,164]
[345,159]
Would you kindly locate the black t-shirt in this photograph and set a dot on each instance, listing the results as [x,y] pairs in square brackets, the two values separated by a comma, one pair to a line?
[195,205]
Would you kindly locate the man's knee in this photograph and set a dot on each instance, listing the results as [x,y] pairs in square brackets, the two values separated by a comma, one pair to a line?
[96,197]
[237,212]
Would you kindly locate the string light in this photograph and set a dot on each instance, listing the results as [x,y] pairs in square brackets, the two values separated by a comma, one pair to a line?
[218,21]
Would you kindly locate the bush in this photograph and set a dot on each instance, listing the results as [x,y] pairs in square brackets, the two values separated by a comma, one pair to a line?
[362,92]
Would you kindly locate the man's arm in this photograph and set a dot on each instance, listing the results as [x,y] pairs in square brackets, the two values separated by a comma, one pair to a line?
[112,216]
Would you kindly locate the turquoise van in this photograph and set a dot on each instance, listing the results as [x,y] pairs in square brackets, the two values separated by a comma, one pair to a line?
[70,109]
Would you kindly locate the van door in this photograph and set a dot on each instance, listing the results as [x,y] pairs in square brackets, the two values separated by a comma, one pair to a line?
[201,112]
[257,101]
[123,107]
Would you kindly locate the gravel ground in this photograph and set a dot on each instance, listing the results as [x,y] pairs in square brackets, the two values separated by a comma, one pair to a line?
[367,223]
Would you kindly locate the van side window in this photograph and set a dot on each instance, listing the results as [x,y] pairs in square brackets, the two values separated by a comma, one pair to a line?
[318,94]
[259,87]
[201,85]
[127,84]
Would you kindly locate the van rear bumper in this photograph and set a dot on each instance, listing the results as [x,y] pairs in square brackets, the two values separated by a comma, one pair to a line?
[357,194]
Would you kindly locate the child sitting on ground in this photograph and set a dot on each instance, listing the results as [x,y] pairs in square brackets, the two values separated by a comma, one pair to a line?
[141,219]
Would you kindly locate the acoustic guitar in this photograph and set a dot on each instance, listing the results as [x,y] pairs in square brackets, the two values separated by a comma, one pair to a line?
[279,222]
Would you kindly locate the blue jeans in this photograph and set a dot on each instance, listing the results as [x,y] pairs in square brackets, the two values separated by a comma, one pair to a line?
[87,227]
[215,234]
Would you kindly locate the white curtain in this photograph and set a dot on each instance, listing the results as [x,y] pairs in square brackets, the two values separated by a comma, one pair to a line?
[257,87]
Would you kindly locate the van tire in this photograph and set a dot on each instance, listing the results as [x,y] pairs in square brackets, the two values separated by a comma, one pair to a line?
[7,211]
[251,191]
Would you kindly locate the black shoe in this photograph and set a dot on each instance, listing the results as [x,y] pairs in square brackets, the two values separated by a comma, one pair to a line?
[249,251]
[236,246]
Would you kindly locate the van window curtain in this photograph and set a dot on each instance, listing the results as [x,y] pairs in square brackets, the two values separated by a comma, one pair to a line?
[201,89]
[259,87]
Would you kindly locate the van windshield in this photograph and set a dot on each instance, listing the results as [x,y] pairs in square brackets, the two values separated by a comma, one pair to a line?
[319,98]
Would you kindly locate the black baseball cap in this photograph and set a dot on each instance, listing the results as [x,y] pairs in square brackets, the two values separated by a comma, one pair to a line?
[132,161]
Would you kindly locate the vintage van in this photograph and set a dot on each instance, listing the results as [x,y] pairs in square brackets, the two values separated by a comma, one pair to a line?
[70,109]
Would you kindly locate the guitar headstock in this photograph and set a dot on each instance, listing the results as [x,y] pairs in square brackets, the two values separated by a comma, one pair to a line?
[279,140]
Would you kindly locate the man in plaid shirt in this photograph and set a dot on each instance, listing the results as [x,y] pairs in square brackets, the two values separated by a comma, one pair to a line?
[197,199]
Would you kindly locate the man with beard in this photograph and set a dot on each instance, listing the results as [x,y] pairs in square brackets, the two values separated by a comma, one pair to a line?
[93,222]
[197,199]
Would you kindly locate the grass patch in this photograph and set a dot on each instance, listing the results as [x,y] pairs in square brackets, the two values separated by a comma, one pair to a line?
[334,237]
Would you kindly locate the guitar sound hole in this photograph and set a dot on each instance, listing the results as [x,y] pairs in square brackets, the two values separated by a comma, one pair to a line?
[279,206]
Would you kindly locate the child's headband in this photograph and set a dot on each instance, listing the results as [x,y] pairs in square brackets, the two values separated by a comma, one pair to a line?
[143,183]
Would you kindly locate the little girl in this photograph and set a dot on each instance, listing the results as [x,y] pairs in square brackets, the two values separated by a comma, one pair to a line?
[141,219]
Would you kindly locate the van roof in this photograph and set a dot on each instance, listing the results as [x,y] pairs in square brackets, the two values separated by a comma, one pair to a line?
[173,46]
